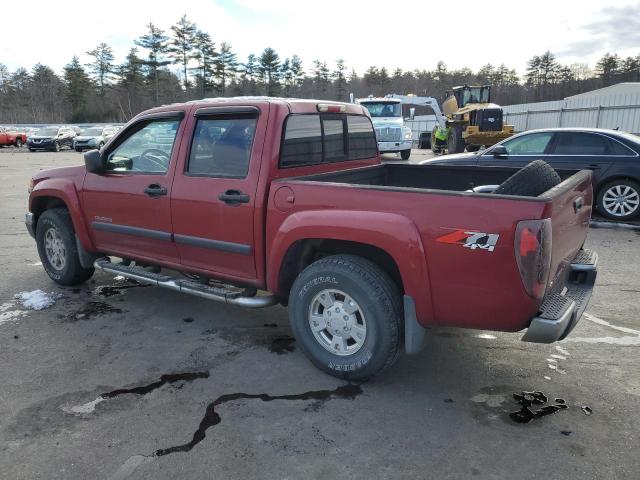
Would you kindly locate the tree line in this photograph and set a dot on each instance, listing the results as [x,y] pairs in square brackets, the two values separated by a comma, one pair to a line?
[185,63]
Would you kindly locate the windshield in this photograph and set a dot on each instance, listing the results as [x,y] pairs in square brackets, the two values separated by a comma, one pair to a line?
[475,95]
[92,132]
[48,131]
[383,109]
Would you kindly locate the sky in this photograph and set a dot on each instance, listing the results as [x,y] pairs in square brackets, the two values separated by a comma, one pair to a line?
[362,32]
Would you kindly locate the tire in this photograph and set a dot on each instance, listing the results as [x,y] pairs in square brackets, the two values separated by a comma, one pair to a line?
[473,148]
[347,279]
[54,232]
[56,147]
[405,154]
[18,143]
[619,200]
[530,181]
[78,149]
[100,145]
[455,142]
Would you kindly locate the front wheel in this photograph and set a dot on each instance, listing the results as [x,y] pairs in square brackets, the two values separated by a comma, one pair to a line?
[55,238]
[405,154]
[455,142]
[345,313]
[619,200]
[56,147]
[18,143]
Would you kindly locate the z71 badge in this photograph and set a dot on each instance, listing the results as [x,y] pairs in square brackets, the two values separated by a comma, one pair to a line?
[472,240]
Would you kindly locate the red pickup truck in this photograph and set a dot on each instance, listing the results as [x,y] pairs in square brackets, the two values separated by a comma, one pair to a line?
[258,201]
[9,136]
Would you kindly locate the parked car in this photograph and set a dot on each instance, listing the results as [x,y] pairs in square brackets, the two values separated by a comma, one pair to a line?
[52,138]
[292,198]
[613,157]
[10,136]
[94,137]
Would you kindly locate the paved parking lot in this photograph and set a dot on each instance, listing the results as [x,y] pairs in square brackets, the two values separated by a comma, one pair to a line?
[117,381]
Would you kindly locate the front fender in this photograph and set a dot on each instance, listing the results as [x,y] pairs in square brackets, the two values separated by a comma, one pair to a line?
[395,234]
[65,190]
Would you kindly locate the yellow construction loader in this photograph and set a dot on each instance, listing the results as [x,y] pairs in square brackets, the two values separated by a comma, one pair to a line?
[468,119]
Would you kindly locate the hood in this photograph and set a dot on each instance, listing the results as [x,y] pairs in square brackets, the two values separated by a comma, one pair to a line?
[40,137]
[84,138]
[381,122]
[453,159]
[61,172]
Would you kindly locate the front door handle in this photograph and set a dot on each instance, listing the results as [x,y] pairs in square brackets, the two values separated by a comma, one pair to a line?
[234,197]
[155,190]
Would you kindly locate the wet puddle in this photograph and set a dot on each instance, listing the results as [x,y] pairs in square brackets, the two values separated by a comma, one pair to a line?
[282,345]
[91,310]
[534,405]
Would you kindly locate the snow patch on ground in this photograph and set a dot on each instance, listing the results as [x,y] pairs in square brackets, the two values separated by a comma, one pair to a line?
[9,314]
[36,300]
[88,407]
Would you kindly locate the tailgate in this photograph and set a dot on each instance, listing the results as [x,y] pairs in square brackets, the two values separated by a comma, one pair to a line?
[570,212]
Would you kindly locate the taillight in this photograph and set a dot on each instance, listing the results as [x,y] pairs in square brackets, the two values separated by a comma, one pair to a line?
[533,255]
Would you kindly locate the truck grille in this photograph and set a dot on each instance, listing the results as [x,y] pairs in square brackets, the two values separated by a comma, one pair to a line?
[389,134]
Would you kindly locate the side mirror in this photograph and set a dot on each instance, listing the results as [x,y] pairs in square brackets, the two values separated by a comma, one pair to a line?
[93,161]
[499,151]
[412,113]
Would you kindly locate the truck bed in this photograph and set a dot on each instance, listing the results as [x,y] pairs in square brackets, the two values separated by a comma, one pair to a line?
[421,204]
[449,178]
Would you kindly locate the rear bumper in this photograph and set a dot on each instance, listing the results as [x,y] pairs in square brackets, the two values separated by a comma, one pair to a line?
[562,309]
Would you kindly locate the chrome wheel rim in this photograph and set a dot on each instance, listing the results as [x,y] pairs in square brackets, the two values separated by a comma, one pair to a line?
[620,200]
[54,249]
[337,322]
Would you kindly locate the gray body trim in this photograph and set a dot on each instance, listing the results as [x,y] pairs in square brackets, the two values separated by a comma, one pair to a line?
[229,247]
[135,231]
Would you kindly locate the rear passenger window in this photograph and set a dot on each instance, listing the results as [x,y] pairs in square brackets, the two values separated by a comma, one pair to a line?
[334,147]
[616,148]
[221,146]
[302,144]
[578,143]
[362,138]
[315,139]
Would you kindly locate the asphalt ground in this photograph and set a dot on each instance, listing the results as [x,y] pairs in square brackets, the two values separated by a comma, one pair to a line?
[117,381]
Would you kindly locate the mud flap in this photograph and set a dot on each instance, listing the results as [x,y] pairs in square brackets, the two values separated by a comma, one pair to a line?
[86,258]
[413,331]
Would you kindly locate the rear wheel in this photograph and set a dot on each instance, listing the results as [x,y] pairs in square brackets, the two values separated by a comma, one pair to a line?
[405,154]
[619,200]
[345,313]
[455,142]
[18,143]
[55,238]
[56,147]
[473,148]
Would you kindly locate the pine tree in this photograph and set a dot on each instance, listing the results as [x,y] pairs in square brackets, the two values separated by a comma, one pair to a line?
[78,86]
[340,80]
[181,45]
[297,73]
[102,65]
[226,66]
[155,41]
[269,68]
[131,84]
[205,54]
[608,67]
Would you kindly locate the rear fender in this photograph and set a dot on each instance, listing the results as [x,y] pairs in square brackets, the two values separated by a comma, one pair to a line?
[395,234]
[64,190]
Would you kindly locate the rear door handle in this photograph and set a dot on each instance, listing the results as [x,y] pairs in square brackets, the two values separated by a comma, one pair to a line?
[155,190]
[234,197]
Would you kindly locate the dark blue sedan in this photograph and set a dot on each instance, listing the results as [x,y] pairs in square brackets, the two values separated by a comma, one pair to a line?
[613,156]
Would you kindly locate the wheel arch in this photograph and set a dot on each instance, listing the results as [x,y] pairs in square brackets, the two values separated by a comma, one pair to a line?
[390,240]
[56,193]
[617,176]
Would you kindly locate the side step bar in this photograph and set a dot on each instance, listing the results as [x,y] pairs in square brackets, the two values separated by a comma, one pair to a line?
[191,287]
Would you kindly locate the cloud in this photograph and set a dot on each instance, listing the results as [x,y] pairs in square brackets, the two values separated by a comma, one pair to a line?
[614,29]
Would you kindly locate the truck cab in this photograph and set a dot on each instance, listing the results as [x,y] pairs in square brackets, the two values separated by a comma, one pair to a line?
[392,135]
